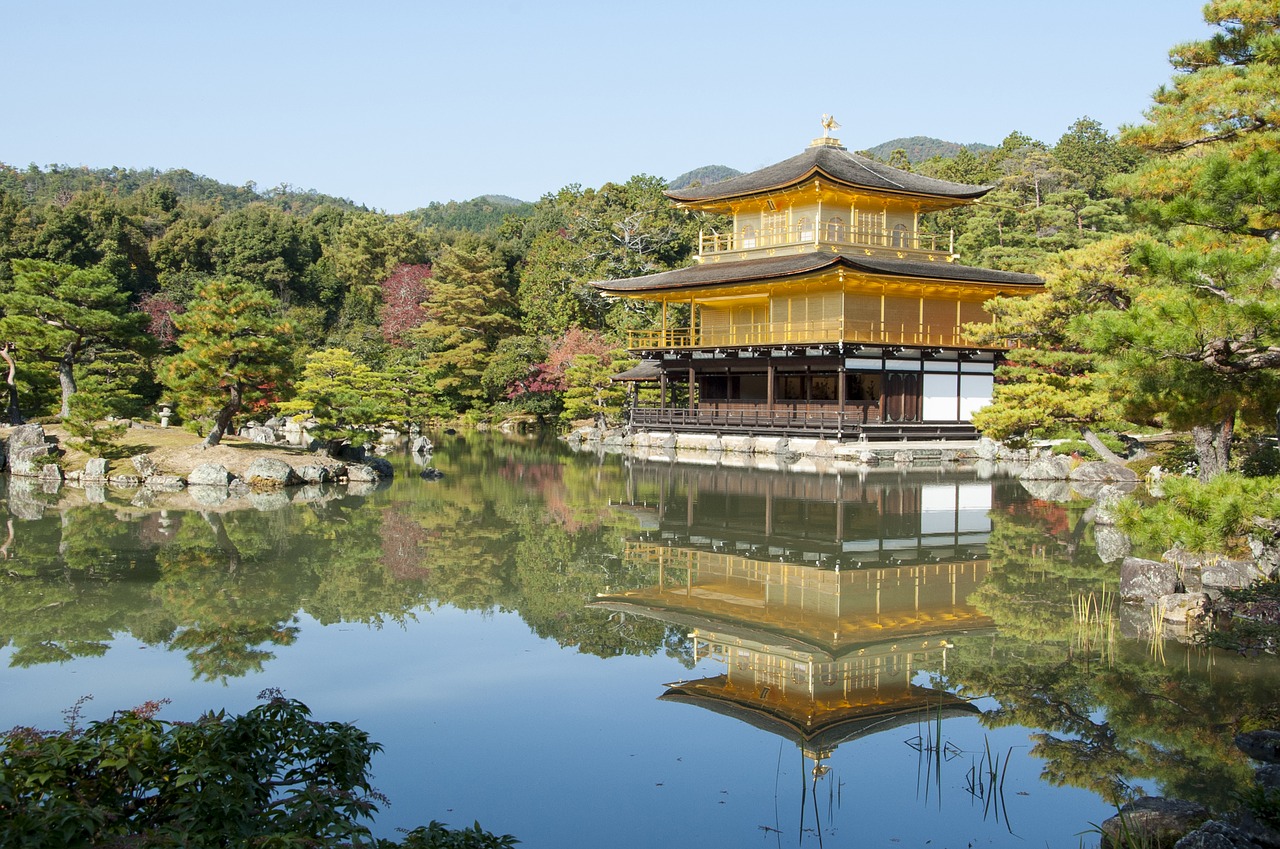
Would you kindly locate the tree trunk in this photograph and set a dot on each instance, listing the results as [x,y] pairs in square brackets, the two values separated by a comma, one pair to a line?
[11,382]
[224,417]
[67,379]
[1213,447]
[1099,446]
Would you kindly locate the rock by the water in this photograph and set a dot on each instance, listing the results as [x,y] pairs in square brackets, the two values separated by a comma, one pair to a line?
[1215,834]
[165,483]
[1146,580]
[361,473]
[1110,543]
[145,466]
[51,472]
[268,472]
[1104,504]
[383,467]
[1053,468]
[1262,746]
[129,481]
[1229,574]
[1153,821]
[209,495]
[209,474]
[1100,471]
[421,445]
[95,469]
[314,474]
[431,474]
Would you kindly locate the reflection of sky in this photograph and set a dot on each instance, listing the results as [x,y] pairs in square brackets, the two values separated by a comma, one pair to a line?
[483,720]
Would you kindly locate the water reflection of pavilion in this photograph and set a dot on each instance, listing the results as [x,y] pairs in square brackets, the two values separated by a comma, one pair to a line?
[823,597]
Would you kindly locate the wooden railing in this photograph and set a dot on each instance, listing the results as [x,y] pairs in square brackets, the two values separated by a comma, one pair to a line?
[828,234]
[867,331]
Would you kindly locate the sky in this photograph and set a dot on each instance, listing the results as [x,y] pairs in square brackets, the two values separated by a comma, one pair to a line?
[395,104]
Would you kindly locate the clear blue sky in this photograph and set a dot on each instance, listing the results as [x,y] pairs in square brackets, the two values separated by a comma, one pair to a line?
[395,104]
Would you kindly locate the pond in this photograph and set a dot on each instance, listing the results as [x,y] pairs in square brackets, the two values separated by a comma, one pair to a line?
[592,651]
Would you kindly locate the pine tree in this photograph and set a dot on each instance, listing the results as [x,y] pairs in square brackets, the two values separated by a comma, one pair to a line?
[1200,343]
[66,316]
[232,352]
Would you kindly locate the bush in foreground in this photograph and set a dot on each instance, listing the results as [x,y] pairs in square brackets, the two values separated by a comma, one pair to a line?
[272,777]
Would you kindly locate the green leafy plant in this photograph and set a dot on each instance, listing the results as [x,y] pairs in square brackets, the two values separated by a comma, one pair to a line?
[272,777]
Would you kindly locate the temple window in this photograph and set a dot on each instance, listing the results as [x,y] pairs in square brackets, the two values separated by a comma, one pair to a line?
[835,229]
[806,229]
[748,236]
[900,236]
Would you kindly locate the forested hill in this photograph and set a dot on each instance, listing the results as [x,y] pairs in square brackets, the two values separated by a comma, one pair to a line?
[923,148]
[478,215]
[58,183]
[704,176]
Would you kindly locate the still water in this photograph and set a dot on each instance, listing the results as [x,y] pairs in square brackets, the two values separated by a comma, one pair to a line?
[587,651]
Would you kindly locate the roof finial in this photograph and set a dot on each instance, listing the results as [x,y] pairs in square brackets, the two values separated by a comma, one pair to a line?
[829,123]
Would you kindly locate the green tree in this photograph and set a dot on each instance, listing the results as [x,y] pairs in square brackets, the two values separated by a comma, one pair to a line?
[342,394]
[590,392]
[66,316]
[231,352]
[469,313]
[1200,344]
[262,245]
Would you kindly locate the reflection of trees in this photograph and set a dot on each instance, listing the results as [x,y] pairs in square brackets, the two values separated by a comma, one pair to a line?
[230,602]
[74,581]
[1110,716]
[512,526]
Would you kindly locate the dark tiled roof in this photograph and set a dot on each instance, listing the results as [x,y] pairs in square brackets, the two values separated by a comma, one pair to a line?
[839,166]
[644,370]
[796,265]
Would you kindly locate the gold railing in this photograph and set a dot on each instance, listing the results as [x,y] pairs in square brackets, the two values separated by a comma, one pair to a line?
[866,331]
[827,234]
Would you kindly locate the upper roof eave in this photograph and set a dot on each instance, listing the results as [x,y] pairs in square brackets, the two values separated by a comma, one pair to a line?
[837,165]
[800,265]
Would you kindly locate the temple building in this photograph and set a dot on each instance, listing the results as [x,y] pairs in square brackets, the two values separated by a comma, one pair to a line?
[823,310]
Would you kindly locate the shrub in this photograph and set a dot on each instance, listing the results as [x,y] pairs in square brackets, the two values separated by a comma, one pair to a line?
[272,777]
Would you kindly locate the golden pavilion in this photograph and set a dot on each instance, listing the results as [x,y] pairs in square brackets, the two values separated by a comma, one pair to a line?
[824,310]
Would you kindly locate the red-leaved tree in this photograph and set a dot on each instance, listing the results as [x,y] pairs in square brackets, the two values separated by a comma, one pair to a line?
[403,294]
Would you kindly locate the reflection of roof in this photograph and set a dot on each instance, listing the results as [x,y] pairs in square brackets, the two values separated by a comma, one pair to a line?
[644,370]
[821,729]
[826,637]
[838,166]
[796,265]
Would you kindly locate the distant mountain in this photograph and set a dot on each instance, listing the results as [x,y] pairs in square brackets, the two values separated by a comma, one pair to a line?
[502,200]
[922,148]
[480,215]
[704,176]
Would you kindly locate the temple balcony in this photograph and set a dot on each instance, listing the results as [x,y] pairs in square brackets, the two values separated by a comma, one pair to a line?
[788,333]
[832,235]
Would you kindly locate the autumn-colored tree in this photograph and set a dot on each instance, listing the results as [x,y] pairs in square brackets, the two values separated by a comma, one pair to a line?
[404,295]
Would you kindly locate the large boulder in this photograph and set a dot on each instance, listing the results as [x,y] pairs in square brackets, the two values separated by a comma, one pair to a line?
[260,434]
[1216,834]
[1153,821]
[95,469]
[1146,580]
[1099,471]
[1262,746]
[270,473]
[383,468]
[145,465]
[420,445]
[209,474]
[1229,574]
[314,473]
[361,473]
[1052,468]
[1184,608]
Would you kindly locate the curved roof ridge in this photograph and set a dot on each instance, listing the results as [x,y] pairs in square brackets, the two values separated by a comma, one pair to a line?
[838,165]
